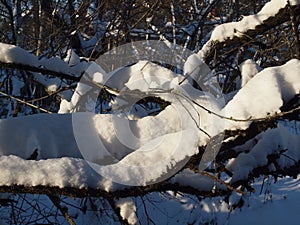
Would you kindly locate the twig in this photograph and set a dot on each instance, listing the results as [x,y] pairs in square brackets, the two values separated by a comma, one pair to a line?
[198,125]
[204,173]
[52,93]
[56,201]
[250,119]
[26,103]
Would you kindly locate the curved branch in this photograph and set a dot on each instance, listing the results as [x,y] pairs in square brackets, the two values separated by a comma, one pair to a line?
[239,38]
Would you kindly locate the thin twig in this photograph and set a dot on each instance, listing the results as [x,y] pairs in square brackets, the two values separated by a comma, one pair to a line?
[26,103]
[198,125]
[250,119]
[204,173]
[56,201]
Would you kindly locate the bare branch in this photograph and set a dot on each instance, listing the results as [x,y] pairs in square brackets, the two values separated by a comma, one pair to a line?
[56,201]
[39,70]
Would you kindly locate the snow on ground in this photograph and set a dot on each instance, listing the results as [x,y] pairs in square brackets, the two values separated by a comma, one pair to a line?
[277,204]
[272,203]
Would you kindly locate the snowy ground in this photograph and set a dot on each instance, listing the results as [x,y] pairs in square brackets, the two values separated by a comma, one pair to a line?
[272,203]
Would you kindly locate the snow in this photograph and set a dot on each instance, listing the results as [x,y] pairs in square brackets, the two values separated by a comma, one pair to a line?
[71,66]
[85,150]
[72,58]
[278,205]
[153,161]
[76,172]
[53,137]
[163,131]
[51,84]
[272,141]
[116,146]
[189,178]
[46,133]
[248,69]
[58,172]
[128,210]
[85,94]
[113,145]
[237,29]
[264,94]
[195,68]
[60,176]
[15,54]
[60,65]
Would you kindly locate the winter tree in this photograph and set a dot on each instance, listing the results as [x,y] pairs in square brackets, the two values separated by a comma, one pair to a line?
[149,112]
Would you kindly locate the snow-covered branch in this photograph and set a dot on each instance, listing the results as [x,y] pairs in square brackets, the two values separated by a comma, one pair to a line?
[12,56]
[186,181]
[271,15]
[156,138]
[50,136]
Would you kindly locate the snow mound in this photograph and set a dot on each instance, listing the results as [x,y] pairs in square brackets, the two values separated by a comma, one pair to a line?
[264,94]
